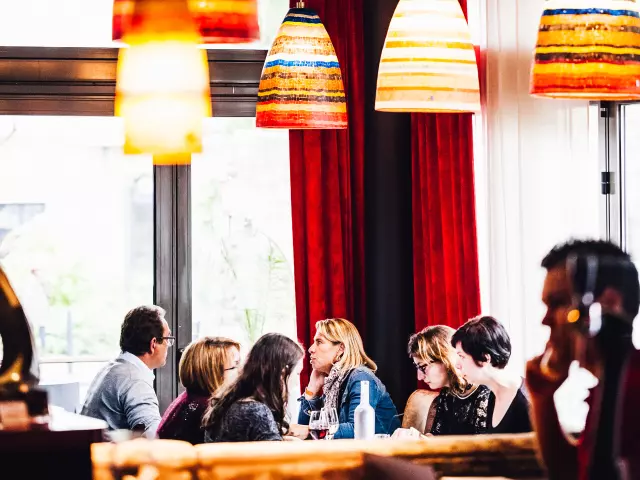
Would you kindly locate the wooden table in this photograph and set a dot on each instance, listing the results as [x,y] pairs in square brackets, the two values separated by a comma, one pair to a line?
[61,450]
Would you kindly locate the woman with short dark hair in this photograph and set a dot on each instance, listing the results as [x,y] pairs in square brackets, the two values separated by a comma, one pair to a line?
[484,349]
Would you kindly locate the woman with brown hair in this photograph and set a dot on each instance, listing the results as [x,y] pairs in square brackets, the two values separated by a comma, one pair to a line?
[206,366]
[460,408]
[253,407]
[339,364]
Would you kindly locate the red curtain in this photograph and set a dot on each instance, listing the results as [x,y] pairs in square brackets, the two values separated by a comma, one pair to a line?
[445,253]
[327,191]
[445,261]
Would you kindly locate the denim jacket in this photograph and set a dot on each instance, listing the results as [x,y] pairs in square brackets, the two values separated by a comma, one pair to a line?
[386,413]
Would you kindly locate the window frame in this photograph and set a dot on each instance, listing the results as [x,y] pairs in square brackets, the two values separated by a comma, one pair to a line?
[610,143]
[81,82]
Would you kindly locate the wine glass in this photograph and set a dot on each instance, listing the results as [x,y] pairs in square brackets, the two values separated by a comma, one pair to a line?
[332,421]
[318,425]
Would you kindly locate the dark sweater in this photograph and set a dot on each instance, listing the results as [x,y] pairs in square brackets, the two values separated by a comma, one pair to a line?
[244,421]
[183,419]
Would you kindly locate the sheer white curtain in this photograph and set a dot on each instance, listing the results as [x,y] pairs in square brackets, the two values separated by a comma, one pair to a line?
[537,178]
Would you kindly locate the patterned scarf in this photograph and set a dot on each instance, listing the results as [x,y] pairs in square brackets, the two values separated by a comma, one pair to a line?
[332,386]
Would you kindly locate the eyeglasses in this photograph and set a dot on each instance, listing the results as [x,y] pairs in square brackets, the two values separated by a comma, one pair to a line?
[423,368]
[169,340]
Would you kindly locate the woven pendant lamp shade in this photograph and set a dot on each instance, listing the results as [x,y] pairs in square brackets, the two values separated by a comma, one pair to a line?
[218,21]
[588,50]
[428,62]
[301,84]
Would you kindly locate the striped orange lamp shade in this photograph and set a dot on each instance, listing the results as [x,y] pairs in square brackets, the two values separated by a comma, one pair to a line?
[226,21]
[301,84]
[218,21]
[428,62]
[588,49]
[121,20]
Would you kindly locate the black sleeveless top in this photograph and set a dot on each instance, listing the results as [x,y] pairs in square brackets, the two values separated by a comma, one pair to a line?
[516,419]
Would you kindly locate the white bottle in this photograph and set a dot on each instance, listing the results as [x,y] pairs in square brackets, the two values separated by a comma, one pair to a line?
[364,418]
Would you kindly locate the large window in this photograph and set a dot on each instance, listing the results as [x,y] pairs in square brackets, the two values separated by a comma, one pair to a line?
[86,232]
[87,23]
[241,232]
[76,236]
[622,139]
[630,150]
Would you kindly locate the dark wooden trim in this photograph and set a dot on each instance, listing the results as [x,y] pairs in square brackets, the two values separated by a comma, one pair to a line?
[172,267]
[81,81]
[165,285]
[80,53]
[183,330]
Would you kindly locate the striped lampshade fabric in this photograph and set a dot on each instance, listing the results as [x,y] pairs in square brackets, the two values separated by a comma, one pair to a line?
[219,21]
[588,49]
[226,21]
[301,84]
[428,63]
[122,15]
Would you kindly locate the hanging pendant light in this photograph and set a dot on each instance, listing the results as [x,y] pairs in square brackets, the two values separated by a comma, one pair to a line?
[162,83]
[218,21]
[428,62]
[588,50]
[226,21]
[301,84]
[121,20]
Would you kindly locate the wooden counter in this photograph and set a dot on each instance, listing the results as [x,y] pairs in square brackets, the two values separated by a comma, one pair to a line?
[511,456]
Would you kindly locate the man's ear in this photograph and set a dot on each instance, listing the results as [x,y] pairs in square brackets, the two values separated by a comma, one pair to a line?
[153,345]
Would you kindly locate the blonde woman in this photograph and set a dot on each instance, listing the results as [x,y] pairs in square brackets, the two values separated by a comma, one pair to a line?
[207,365]
[460,408]
[339,364]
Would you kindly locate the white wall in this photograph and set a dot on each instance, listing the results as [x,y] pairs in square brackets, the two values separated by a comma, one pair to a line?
[537,181]
[537,172]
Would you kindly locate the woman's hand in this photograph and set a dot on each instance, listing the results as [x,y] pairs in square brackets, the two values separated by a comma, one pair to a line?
[316,382]
[300,432]
[408,433]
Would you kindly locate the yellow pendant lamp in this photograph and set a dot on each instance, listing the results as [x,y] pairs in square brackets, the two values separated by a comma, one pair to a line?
[588,50]
[162,89]
[428,63]
[301,84]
